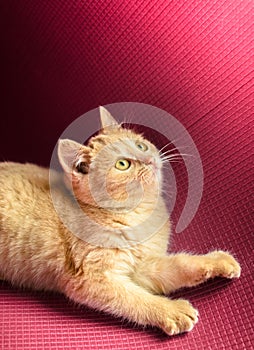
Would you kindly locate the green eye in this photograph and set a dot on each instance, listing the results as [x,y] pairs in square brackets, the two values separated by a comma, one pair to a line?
[122,164]
[142,146]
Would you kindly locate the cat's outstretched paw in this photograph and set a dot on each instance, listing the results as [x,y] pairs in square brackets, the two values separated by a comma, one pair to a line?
[224,265]
[181,318]
[214,264]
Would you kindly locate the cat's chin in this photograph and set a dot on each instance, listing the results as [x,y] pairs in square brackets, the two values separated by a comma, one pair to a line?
[154,180]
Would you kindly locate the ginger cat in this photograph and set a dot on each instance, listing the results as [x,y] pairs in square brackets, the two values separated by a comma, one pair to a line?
[115,267]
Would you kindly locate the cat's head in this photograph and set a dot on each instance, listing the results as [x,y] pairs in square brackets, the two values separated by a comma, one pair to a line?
[115,169]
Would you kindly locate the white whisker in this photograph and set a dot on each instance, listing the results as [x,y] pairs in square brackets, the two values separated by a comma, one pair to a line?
[167,144]
[175,156]
[171,150]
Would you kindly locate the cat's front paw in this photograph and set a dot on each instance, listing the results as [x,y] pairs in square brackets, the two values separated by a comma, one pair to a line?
[224,265]
[181,317]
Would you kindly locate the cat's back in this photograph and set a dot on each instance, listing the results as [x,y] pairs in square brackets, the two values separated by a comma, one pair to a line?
[24,195]
[21,184]
[16,175]
[29,238]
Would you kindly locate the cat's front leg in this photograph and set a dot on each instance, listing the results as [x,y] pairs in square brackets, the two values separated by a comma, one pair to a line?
[169,273]
[120,296]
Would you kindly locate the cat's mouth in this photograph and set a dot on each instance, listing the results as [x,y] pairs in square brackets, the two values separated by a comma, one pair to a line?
[154,166]
[154,170]
[152,174]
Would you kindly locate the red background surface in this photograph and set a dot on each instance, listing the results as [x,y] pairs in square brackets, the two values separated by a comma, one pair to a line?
[194,59]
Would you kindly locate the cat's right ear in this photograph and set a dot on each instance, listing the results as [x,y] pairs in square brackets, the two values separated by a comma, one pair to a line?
[73,156]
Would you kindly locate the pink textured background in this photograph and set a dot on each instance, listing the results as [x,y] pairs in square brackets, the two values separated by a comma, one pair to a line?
[194,59]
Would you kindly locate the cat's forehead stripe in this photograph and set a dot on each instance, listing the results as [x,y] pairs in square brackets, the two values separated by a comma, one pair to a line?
[124,144]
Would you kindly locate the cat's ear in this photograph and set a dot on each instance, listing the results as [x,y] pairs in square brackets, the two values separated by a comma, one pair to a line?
[106,118]
[73,156]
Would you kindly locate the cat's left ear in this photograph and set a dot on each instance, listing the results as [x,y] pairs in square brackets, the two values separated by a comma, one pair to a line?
[106,118]
[73,156]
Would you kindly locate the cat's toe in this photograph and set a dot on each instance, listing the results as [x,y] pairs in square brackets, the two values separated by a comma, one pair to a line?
[226,265]
[233,270]
[182,319]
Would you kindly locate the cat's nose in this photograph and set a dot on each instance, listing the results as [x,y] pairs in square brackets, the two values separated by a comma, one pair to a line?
[151,161]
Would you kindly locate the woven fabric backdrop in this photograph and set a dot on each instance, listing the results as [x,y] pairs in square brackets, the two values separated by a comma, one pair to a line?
[194,59]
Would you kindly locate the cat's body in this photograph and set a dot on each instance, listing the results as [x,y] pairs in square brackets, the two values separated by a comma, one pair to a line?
[34,237]
[37,250]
